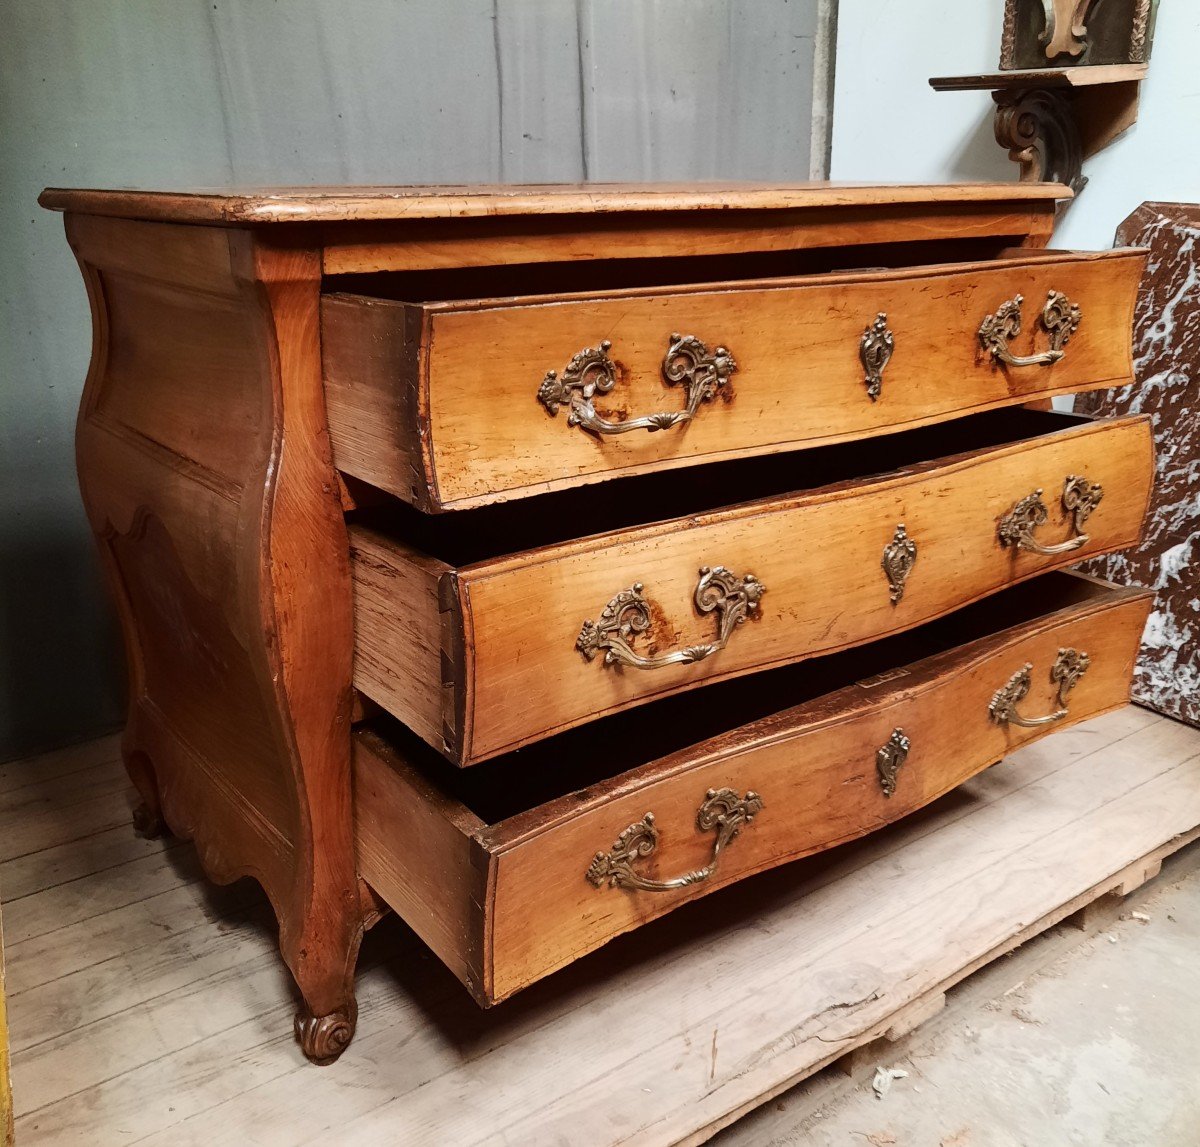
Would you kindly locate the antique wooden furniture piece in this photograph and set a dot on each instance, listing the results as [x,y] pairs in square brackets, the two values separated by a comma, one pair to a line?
[535,560]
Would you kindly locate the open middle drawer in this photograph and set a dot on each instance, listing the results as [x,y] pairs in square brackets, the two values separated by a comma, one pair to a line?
[502,628]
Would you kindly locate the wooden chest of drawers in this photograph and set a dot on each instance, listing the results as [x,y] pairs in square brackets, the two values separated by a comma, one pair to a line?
[535,560]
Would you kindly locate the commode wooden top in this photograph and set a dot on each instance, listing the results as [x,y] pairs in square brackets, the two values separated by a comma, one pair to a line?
[233,206]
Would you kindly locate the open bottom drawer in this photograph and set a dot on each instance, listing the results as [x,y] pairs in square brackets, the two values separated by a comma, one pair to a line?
[511,873]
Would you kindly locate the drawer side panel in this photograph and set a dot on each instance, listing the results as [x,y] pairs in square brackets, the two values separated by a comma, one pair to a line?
[371,355]
[400,634]
[414,848]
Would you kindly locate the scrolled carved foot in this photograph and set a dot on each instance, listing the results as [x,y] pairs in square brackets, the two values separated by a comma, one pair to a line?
[148,823]
[324,1038]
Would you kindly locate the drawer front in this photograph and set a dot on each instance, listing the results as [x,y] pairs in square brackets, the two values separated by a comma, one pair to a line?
[506,903]
[565,887]
[455,405]
[569,631]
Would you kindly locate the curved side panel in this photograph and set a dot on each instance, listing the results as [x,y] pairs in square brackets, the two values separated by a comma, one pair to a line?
[205,471]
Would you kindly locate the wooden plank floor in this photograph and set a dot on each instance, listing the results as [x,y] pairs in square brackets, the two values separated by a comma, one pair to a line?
[147,1006]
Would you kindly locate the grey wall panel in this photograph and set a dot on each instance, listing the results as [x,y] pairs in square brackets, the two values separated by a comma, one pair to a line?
[151,93]
[697,89]
[541,94]
[374,91]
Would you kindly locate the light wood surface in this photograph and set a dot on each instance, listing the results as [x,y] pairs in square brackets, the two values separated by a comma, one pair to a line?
[156,1013]
[537,911]
[1066,77]
[441,244]
[392,368]
[818,554]
[206,475]
[361,204]
[406,228]
[397,586]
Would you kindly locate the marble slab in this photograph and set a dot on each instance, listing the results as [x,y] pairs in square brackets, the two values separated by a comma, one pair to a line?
[1167,387]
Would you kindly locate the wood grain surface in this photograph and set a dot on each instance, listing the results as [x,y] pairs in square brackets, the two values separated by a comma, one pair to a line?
[814,767]
[406,245]
[205,471]
[437,403]
[232,206]
[818,554]
[1064,77]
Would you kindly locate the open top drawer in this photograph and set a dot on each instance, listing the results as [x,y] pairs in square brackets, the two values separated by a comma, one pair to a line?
[509,873]
[488,630]
[451,400]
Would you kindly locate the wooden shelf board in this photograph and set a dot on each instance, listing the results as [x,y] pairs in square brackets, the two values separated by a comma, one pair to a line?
[1083,76]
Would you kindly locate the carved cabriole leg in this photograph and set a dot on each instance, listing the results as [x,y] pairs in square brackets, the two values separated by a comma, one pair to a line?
[147,813]
[1038,127]
[205,468]
[311,626]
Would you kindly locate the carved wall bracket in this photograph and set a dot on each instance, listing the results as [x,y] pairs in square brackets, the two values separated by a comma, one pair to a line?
[1038,127]
[1051,118]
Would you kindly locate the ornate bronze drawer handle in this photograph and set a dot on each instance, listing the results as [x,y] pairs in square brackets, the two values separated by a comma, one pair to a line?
[687,360]
[628,614]
[1068,667]
[1060,318]
[1079,498]
[722,809]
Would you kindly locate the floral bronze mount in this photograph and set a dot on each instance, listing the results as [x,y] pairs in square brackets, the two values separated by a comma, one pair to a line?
[1070,76]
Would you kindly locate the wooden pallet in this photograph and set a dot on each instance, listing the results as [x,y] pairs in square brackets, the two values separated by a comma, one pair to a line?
[146,1003]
